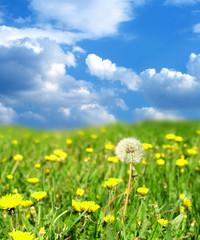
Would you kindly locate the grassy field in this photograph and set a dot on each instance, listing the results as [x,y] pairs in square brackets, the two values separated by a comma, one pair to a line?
[167,206]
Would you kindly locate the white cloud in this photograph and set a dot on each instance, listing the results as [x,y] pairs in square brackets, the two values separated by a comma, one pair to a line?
[32,116]
[105,69]
[170,89]
[78,49]
[56,69]
[93,17]
[121,104]
[193,66]
[146,113]
[39,81]
[10,35]
[7,114]
[51,87]
[182,2]
[95,114]
[66,111]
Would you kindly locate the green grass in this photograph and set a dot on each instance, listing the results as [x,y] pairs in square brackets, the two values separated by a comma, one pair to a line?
[88,171]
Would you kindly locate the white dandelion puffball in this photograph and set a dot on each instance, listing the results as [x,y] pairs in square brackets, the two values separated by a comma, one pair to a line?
[129,150]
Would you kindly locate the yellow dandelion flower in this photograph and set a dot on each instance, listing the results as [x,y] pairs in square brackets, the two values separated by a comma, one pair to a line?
[18,157]
[109,218]
[79,192]
[26,203]
[89,150]
[109,146]
[47,170]
[182,209]
[144,163]
[37,165]
[90,206]
[69,141]
[158,155]
[18,235]
[147,146]
[181,162]
[10,201]
[33,180]
[170,136]
[163,222]
[142,190]
[51,158]
[178,139]
[39,195]
[191,152]
[187,202]
[76,206]
[112,182]
[182,196]
[113,159]
[160,162]
[9,176]
[60,154]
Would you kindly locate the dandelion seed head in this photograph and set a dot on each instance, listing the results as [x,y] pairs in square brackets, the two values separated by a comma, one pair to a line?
[129,150]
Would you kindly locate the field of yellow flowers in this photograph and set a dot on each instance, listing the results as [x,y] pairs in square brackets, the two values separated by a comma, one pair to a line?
[72,184]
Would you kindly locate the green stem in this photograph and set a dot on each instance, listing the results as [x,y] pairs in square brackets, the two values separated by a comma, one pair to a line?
[128,192]
[11,221]
[39,214]
[15,167]
[60,216]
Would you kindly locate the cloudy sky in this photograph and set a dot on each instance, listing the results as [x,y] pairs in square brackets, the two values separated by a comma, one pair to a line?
[72,63]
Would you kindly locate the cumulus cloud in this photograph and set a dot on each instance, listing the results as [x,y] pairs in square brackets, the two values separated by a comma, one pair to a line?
[94,114]
[170,88]
[7,114]
[22,69]
[193,66]
[10,36]
[146,113]
[92,17]
[105,69]
[167,89]
[39,83]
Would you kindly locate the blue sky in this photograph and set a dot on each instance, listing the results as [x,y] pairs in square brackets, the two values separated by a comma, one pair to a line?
[72,63]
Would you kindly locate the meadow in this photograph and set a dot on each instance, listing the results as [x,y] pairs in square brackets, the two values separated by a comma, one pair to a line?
[71,185]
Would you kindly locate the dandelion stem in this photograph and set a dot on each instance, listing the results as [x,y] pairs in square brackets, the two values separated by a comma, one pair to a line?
[11,221]
[128,192]
[60,216]
[39,213]
[15,167]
